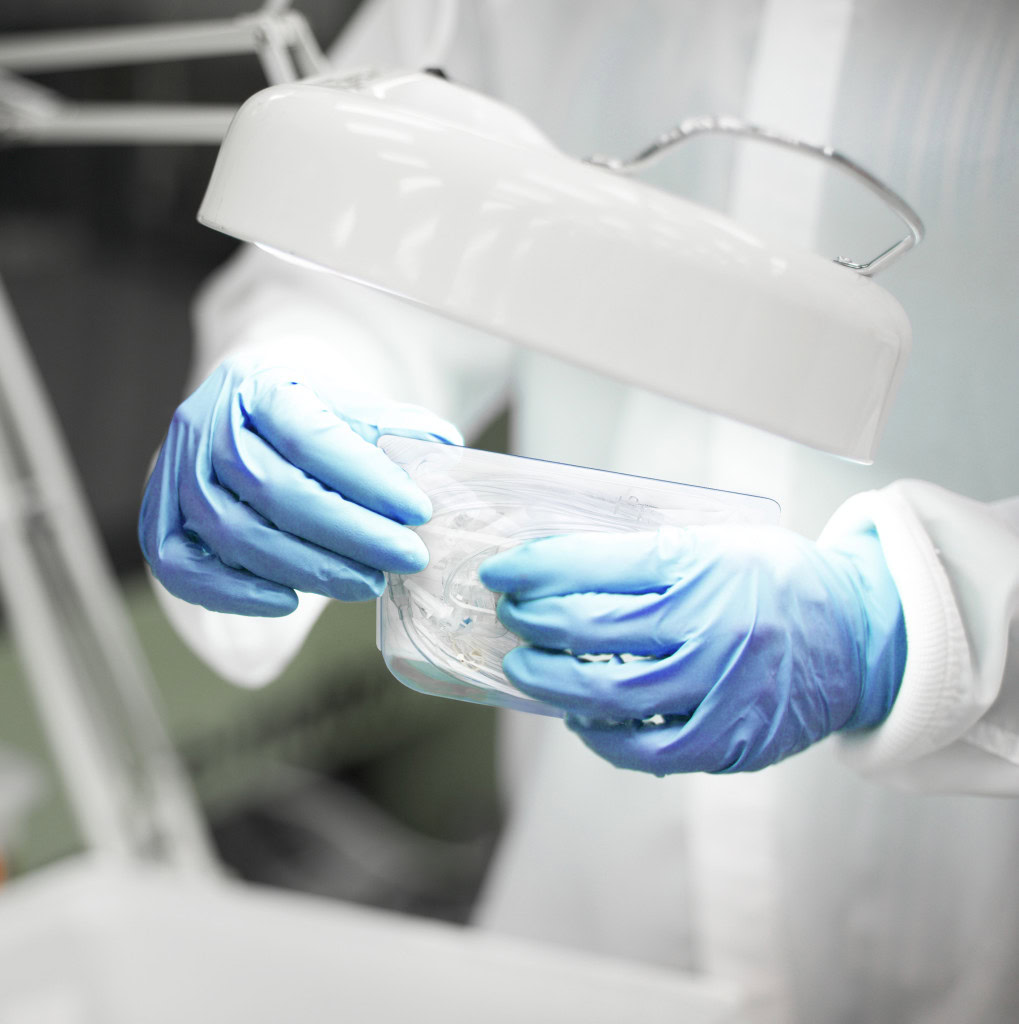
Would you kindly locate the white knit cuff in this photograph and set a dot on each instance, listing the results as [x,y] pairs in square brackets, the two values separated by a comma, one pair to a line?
[934,705]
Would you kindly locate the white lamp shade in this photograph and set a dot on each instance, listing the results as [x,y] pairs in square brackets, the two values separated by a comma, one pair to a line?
[434,193]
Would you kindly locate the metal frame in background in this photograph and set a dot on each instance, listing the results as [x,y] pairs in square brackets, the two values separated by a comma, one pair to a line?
[88,675]
[31,114]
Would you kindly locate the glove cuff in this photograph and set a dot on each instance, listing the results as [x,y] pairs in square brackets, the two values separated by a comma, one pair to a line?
[884,644]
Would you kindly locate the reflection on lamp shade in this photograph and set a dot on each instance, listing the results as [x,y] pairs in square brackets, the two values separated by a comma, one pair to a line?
[446,198]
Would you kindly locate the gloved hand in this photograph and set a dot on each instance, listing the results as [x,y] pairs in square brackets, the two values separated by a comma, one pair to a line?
[269,483]
[731,647]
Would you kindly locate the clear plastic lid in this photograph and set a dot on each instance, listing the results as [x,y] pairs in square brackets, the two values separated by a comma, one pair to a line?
[437,629]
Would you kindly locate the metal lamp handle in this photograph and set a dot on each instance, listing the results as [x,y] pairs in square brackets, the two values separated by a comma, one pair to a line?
[735,126]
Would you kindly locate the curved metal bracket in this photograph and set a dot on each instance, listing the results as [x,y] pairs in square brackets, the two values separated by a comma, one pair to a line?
[735,126]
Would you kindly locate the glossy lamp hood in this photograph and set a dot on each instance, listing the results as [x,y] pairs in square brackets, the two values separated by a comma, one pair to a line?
[442,196]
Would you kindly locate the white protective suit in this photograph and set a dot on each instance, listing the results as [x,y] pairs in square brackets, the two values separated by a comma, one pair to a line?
[847,883]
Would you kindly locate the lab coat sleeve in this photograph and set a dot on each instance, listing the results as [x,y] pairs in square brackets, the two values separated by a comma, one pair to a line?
[954,726]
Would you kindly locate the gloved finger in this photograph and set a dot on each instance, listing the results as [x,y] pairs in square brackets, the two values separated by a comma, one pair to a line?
[299,505]
[593,623]
[613,690]
[723,734]
[620,563]
[643,748]
[188,570]
[309,435]
[702,744]
[243,539]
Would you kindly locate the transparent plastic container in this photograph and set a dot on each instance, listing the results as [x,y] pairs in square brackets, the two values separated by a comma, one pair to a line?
[437,629]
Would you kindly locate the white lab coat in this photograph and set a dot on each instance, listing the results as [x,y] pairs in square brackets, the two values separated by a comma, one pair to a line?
[847,883]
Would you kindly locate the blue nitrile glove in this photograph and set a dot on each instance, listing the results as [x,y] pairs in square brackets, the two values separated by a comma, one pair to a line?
[268,483]
[731,647]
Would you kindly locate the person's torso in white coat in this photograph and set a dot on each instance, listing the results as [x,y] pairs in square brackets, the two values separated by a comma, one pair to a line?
[837,899]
